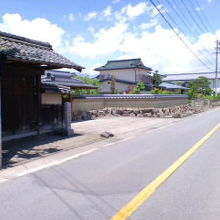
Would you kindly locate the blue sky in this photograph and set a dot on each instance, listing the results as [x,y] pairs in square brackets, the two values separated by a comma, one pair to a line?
[91,32]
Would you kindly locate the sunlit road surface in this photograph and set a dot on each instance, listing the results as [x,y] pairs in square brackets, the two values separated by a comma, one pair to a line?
[99,184]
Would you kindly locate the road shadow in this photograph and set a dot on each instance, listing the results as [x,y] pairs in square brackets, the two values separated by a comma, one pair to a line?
[20,151]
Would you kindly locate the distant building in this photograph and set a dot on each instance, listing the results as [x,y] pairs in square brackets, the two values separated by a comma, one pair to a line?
[127,74]
[64,78]
[173,87]
[185,78]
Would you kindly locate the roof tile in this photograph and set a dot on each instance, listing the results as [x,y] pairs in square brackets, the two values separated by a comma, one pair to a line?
[24,49]
[123,64]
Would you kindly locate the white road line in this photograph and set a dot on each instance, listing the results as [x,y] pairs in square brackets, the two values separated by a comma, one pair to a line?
[3,180]
[54,163]
[123,140]
[109,144]
[117,142]
[129,138]
[77,155]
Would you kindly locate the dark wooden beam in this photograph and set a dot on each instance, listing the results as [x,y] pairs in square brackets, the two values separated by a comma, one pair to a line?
[2,58]
[41,65]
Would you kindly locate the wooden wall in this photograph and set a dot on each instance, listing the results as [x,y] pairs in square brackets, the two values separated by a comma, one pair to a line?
[20,98]
[24,112]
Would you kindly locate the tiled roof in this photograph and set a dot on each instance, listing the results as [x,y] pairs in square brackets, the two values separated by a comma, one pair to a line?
[23,49]
[168,86]
[133,96]
[189,76]
[65,79]
[55,88]
[123,64]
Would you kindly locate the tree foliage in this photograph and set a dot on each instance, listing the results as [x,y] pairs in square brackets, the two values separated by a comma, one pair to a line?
[160,91]
[156,79]
[199,87]
[140,87]
[87,80]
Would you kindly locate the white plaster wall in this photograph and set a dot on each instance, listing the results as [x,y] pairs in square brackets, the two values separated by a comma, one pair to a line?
[120,87]
[105,87]
[125,74]
[51,98]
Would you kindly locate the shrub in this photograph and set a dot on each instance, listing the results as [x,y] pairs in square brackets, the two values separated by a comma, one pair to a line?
[160,91]
[140,87]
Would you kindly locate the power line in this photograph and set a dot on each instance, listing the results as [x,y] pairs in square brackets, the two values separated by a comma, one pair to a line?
[204,15]
[206,28]
[183,19]
[177,34]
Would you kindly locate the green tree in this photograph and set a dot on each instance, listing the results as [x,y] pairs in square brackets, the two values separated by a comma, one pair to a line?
[156,79]
[87,80]
[113,89]
[199,87]
[140,87]
[160,91]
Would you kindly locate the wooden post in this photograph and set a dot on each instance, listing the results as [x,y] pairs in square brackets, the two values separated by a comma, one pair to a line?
[67,119]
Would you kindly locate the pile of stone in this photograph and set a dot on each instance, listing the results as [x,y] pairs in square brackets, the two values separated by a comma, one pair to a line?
[174,111]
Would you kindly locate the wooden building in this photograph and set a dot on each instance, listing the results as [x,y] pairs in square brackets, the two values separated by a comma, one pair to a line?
[60,78]
[22,62]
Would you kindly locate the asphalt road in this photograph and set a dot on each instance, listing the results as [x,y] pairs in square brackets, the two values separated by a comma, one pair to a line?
[97,185]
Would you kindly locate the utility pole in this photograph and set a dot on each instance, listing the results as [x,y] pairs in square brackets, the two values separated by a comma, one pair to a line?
[216,65]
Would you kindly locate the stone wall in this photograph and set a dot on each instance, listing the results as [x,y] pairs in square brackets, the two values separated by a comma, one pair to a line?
[90,103]
[174,111]
[157,108]
[204,104]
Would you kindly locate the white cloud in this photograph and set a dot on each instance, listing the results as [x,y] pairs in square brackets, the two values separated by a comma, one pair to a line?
[130,12]
[210,1]
[38,29]
[116,1]
[160,7]
[198,9]
[160,49]
[107,12]
[91,15]
[152,23]
[91,29]
[90,69]
[134,11]
[71,17]
[106,42]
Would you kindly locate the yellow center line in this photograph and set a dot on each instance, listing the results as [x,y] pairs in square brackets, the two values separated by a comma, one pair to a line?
[141,197]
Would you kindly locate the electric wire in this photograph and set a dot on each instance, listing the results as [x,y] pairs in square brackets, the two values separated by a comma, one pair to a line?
[203,15]
[200,27]
[194,6]
[178,35]
[188,16]
[189,29]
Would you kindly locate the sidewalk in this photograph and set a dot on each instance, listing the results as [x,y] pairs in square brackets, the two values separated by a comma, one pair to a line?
[86,133]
